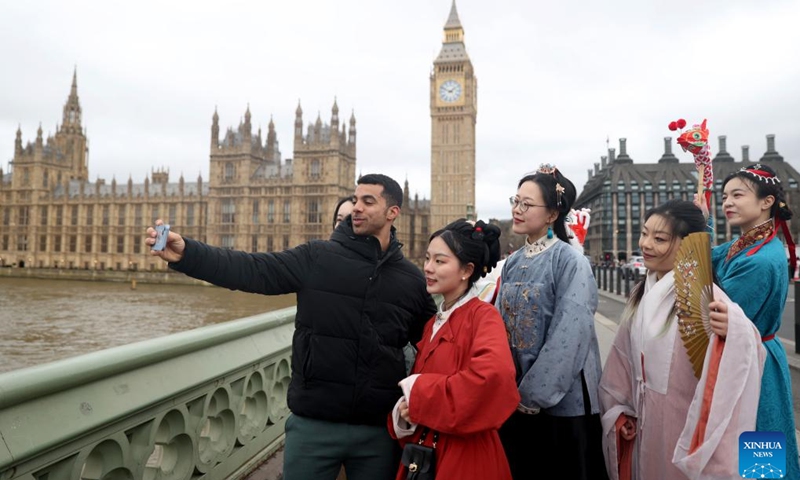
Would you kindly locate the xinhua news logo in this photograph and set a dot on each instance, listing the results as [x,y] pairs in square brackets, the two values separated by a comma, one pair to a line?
[762,455]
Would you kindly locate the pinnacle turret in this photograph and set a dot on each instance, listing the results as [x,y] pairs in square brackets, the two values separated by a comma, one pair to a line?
[352,132]
[298,124]
[215,130]
[248,129]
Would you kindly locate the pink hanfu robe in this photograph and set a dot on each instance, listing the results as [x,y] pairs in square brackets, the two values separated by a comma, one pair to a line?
[465,389]
[685,428]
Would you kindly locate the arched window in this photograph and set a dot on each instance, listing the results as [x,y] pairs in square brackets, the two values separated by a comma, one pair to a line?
[230,171]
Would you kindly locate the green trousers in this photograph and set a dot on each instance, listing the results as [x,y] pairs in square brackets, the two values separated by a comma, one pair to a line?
[316,449]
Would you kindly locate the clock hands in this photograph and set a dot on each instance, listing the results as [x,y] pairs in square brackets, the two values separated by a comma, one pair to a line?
[450,91]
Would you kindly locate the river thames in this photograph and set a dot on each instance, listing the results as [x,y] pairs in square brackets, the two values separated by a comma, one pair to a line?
[46,320]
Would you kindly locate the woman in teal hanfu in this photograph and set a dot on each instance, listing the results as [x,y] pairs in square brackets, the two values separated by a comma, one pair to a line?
[753,272]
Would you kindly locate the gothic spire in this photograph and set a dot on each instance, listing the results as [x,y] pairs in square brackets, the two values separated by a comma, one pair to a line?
[215,129]
[74,90]
[453,49]
[72,109]
[352,132]
[18,141]
[298,124]
[453,20]
[335,115]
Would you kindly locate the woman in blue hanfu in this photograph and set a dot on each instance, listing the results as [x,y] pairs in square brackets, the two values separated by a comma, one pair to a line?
[547,299]
[753,200]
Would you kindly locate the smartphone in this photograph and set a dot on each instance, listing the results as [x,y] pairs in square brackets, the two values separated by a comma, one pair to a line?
[162,232]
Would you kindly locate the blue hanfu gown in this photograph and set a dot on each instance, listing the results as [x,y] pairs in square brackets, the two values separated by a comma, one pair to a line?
[759,284]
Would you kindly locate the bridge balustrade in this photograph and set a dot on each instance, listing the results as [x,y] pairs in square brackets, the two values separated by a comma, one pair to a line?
[207,403]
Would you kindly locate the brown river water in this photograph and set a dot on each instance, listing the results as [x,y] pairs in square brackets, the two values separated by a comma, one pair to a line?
[46,320]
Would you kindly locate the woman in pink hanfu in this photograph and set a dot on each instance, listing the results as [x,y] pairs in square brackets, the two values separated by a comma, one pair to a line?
[659,420]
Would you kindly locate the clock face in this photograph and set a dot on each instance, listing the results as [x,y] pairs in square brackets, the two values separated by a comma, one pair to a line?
[450,91]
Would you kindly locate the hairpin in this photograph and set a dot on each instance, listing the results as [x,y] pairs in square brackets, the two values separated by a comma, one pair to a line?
[559,193]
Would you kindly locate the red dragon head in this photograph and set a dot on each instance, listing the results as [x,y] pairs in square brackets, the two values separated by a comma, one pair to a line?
[694,139]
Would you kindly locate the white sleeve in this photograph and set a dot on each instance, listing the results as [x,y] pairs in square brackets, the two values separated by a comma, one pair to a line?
[401,427]
[407,384]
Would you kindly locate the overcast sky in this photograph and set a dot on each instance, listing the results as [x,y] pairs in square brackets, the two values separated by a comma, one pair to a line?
[555,79]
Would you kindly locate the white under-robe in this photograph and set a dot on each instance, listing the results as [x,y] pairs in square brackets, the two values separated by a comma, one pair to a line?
[648,376]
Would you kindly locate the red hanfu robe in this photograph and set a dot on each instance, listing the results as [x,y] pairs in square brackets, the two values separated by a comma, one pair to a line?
[466,389]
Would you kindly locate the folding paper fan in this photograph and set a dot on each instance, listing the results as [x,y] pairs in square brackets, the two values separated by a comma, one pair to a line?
[693,293]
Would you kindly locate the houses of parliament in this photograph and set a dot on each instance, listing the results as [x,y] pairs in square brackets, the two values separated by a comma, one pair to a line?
[53,216]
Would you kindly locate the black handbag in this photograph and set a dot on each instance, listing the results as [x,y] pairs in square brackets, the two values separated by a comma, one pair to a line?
[420,460]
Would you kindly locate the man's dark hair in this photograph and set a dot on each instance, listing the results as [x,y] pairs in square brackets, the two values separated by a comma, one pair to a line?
[391,189]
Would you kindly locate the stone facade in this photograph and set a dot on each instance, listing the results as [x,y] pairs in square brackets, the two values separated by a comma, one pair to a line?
[620,191]
[52,216]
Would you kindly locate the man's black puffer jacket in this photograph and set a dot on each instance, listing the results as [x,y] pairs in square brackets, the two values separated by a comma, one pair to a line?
[356,309]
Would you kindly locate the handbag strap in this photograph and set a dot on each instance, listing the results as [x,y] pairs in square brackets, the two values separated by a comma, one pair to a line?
[425,434]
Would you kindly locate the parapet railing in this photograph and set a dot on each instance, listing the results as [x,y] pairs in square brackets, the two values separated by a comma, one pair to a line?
[207,403]
[615,279]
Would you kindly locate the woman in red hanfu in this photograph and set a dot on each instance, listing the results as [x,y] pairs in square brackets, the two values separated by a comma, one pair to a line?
[462,386]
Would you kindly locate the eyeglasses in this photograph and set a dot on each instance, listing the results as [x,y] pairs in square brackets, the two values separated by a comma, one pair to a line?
[523,207]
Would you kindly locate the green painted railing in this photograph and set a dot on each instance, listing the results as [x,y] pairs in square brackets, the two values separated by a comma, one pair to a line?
[208,403]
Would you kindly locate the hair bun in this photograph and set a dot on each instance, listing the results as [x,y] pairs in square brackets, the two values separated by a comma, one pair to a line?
[473,242]
[490,234]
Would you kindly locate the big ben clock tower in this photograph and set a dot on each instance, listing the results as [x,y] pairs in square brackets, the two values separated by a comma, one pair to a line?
[454,102]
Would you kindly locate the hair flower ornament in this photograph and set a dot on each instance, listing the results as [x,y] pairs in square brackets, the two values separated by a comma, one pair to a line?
[547,169]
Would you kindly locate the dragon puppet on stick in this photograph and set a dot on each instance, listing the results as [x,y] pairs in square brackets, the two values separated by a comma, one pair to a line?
[695,141]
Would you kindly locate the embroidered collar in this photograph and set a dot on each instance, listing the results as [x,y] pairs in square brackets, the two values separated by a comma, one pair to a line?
[750,237]
[538,246]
